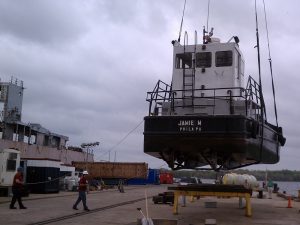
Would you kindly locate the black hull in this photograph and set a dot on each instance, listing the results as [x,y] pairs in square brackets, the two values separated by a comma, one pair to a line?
[223,142]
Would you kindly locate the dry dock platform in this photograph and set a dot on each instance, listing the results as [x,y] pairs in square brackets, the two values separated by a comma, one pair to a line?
[110,207]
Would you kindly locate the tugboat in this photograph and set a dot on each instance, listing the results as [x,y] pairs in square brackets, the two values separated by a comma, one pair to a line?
[206,118]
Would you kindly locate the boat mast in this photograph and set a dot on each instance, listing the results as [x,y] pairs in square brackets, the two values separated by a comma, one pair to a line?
[263,108]
[179,36]
[270,64]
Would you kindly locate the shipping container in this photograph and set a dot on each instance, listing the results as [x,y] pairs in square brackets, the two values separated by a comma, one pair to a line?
[43,176]
[152,178]
[113,170]
[166,178]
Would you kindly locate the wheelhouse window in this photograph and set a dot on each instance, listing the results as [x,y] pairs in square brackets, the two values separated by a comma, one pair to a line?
[203,59]
[223,58]
[184,61]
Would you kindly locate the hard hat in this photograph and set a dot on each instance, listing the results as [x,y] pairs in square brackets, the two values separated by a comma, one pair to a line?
[20,169]
[85,172]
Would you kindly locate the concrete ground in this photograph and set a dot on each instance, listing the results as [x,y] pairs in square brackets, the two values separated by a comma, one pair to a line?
[43,207]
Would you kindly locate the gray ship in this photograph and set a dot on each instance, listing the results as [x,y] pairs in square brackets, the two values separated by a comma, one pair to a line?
[32,140]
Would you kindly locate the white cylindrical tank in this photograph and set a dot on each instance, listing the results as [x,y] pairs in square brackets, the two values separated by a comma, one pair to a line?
[228,178]
[247,180]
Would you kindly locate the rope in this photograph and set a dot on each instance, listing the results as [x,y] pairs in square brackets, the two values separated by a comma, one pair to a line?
[123,139]
[270,63]
[48,181]
[263,111]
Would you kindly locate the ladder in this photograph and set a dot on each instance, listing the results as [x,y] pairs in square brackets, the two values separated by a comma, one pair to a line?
[189,81]
[188,88]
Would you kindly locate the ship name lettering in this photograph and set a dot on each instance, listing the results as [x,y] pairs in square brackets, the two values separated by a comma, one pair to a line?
[187,129]
[189,125]
[199,123]
[186,123]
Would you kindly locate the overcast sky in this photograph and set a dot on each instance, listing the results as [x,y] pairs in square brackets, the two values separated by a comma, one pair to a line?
[87,64]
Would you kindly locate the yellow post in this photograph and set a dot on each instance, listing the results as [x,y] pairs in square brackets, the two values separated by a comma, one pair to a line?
[175,206]
[248,205]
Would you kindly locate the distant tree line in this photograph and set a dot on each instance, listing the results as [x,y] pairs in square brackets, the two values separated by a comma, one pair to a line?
[275,175]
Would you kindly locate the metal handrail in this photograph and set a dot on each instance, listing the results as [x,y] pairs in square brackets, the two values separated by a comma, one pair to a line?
[164,93]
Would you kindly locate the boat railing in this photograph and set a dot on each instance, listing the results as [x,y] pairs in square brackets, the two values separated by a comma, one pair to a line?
[164,97]
[161,93]
[253,96]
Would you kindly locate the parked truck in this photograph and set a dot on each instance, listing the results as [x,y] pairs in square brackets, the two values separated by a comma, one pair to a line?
[112,172]
[9,161]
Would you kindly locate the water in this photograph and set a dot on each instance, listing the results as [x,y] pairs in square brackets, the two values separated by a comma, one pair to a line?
[290,187]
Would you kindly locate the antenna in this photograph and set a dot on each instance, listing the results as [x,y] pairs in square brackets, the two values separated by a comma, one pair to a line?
[207,38]
[208,4]
[181,21]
